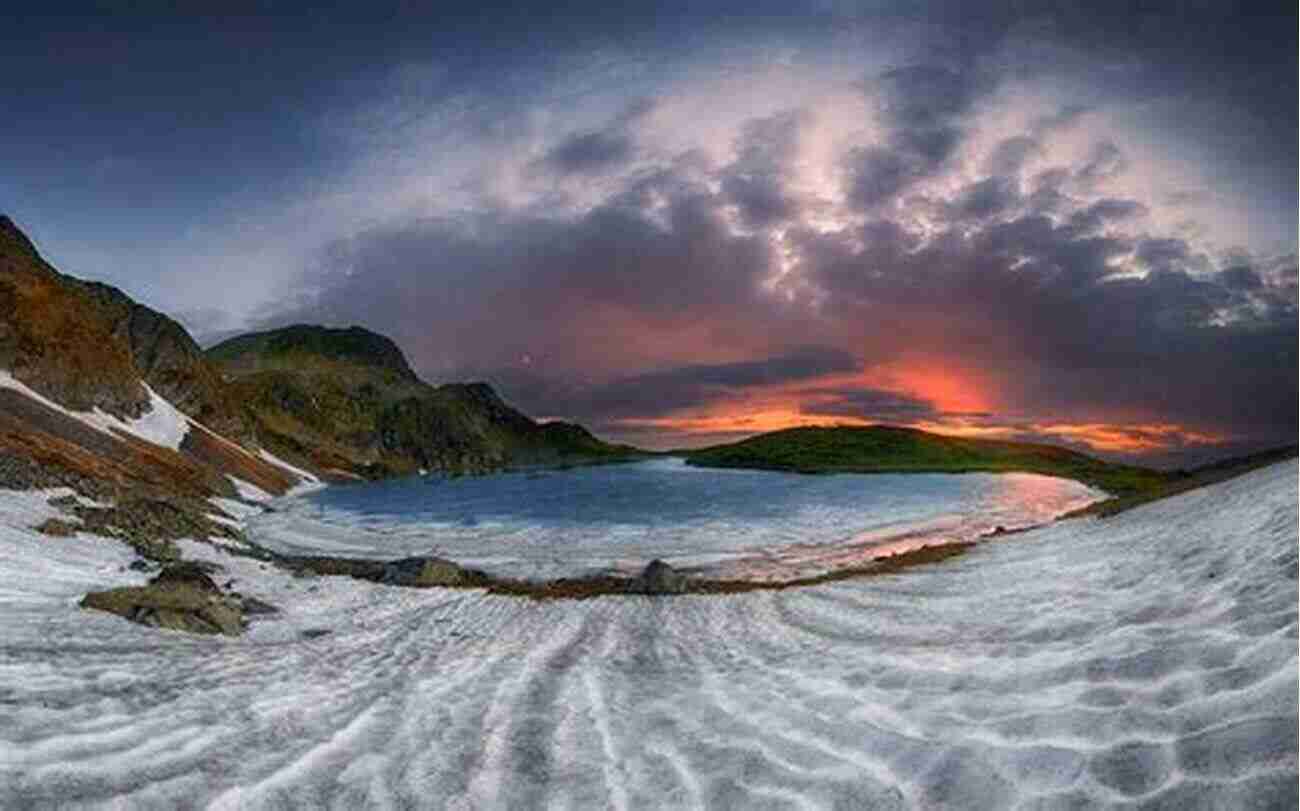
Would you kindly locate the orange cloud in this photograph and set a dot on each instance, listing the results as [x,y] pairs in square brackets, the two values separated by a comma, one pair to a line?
[947,387]
[740,422]
[961,402]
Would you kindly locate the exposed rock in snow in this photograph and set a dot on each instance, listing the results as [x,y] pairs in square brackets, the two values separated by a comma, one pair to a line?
[659,578]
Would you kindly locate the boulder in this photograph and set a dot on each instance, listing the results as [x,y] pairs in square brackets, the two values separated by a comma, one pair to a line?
[186,574]
[423,572]
[659,578]
[254,607]
[182,597]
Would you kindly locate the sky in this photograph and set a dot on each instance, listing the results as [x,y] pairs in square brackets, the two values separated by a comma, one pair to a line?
[684,223]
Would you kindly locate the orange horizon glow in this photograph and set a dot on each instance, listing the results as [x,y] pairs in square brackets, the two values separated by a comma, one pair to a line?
[1136,438]
[961,401]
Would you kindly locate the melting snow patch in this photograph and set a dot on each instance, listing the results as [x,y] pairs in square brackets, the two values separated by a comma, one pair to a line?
[278,462]
[222,519]
[248,491]
[235,509]
[162,425]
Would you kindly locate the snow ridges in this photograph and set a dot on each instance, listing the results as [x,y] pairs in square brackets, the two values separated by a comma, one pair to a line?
[1144,660]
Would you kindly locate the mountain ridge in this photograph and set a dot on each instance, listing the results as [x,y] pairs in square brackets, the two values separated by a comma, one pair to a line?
[81,362]
[347,400]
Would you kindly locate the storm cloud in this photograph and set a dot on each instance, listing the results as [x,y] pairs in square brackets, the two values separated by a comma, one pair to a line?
[1066,317]
[1074,223]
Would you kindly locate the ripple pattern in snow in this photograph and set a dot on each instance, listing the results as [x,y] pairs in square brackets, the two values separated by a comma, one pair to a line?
[1149,660]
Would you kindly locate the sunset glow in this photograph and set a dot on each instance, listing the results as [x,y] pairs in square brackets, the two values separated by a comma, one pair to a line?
[993,223]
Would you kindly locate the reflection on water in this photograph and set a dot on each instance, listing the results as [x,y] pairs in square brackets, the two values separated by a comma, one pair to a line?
[729,523]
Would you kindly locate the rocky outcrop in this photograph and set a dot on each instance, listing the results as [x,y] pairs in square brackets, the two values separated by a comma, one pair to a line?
[346,399]
[54,339]
[659,578]
[86,349]
[169,360]
[151,525]
[290,347]
[411,572]
[182,597]
[421,572]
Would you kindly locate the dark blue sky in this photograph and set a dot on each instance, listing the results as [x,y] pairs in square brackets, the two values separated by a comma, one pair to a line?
[666,218]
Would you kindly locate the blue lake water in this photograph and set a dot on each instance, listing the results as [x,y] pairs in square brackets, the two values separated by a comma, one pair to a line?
[755,524]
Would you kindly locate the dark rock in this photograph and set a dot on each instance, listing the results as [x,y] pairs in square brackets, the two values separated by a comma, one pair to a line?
[181,597]
[659,578]
[255,607]
[186,574]
[168,359]
[422,572]
[139,565]
[151,524]
[314,633]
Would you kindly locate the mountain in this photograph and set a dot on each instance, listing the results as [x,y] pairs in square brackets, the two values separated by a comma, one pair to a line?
[102,393]
[89,387]
[346,402]
[895,449]
[304,344]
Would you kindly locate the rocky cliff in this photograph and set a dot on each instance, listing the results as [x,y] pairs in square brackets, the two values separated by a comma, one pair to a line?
[89,386]
[81,363]
[54,338]
[346,402]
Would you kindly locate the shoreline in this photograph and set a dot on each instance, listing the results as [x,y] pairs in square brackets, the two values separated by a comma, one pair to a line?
[657,579]
[439,572]
[454,575]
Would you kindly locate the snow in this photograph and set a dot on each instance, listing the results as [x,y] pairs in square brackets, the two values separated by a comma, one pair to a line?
[162,425]
[1148,659]
[238,510]
[250,492]
[278,462]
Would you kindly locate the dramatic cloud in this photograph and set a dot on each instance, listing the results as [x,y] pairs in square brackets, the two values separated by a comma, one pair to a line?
[1075,224]
[1076,318]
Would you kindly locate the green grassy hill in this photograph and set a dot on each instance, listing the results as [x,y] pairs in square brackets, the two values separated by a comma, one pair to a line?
[890,449]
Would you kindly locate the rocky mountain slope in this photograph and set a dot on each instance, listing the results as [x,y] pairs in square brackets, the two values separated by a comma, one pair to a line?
[111,397]
[346,402]
[89,380]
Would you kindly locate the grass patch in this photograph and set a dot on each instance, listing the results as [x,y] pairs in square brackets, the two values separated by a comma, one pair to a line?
[889,449]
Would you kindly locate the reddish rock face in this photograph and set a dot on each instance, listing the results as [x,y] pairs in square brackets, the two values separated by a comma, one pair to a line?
[54,338]
[88,346]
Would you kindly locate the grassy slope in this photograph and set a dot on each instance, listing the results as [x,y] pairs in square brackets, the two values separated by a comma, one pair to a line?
[888,449]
